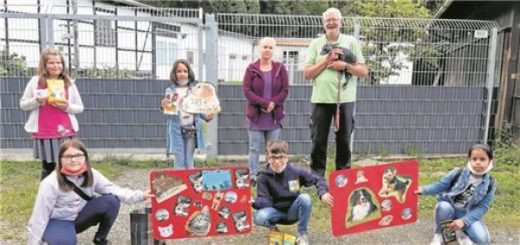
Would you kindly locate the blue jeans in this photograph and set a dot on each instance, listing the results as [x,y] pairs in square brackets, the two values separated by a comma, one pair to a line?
[186,161]
[300,210]
[477,232]
[102,210]
[257,141]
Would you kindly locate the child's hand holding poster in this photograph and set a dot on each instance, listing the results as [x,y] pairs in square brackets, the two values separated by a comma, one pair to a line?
[373,197]
[55,90]
[200,202]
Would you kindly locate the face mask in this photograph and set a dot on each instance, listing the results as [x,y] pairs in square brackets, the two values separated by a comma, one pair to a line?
[490,166]
[183,82]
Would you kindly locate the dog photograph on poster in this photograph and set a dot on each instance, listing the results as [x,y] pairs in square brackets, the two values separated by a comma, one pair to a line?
[395,185]
[363,206]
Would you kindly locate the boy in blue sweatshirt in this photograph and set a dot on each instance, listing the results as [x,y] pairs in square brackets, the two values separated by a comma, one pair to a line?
[278,197]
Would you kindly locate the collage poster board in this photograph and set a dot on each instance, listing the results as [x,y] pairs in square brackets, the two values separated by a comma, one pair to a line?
[200,202]
[373,197]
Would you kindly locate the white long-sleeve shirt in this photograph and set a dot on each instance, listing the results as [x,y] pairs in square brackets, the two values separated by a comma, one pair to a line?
[53,203]
[28,103]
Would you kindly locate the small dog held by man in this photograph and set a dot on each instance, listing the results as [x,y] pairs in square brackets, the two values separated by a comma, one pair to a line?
[347,56]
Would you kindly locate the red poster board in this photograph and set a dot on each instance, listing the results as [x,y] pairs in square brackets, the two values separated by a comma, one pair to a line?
[200,202]
[373,197]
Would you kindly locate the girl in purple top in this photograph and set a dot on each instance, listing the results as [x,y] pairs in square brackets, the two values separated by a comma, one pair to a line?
[265,87]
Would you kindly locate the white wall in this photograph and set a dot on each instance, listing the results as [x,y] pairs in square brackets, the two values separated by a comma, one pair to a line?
[244,53]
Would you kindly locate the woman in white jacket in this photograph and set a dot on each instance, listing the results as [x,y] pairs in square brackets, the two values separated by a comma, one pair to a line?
[65,205]
[51,121]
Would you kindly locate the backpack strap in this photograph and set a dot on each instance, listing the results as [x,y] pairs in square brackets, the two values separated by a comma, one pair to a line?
[455,178]
[78,191]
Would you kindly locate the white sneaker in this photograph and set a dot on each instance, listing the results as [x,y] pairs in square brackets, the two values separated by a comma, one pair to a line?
[437,239]
[302,240]
[463,239]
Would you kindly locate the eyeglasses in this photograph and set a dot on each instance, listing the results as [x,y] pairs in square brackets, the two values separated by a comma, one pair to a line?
[275,158]
[331,20]
[75,157]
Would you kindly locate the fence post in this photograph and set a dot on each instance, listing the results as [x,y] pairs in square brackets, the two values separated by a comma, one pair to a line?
[357,30]
[212,76]
[46,31]
[200,43]
[489,80]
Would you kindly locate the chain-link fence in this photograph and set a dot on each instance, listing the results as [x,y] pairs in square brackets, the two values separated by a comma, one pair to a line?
[121,58]
[429,89]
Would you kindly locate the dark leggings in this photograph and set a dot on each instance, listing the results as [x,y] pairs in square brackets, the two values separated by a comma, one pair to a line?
[47,168]
[102,210]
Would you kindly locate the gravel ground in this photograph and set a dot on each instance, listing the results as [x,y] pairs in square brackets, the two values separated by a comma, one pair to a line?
[418,233]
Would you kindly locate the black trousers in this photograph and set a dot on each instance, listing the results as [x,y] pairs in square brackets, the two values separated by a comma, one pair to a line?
[320,125]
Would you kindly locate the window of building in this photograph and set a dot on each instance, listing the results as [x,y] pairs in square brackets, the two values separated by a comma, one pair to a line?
[105,33]
[290,57]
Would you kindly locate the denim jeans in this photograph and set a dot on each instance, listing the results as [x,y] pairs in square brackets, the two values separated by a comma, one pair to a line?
[186,161]
[477,232]
[320,125]
[102,210]
[300,211]
[257,141]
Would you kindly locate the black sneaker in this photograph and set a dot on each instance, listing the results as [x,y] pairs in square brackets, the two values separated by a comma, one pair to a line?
[101,241]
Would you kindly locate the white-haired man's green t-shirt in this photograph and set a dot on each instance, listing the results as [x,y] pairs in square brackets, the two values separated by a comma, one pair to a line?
[325,85]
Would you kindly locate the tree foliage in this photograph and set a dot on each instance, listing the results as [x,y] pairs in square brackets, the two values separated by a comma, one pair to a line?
[367,8]
[13,65]
[389,46]
[390,9]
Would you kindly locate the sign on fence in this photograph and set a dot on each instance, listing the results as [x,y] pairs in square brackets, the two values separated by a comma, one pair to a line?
[373,197]
[200,202]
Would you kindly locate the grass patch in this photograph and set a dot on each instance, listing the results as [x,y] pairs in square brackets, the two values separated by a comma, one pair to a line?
[18,184]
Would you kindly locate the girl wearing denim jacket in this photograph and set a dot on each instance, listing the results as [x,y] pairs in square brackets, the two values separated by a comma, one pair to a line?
[184,130]
[464,197]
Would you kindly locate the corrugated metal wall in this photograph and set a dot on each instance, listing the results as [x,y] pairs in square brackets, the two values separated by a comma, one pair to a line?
[389,119]
[118,113]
